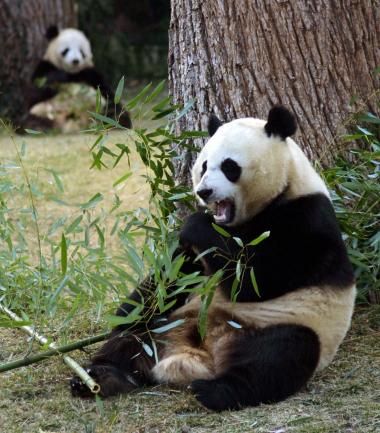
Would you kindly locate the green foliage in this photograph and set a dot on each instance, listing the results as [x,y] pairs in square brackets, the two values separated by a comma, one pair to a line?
[355,190]
[67,269]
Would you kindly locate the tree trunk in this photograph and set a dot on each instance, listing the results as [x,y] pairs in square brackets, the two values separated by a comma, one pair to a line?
[23,25]
[240,57]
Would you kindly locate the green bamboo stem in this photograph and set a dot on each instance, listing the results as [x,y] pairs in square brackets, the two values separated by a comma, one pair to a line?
[55,350]
[59,350]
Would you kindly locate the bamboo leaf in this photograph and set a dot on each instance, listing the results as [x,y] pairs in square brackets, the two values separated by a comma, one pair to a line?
[221,231]
[132,317]
[147,349]
[32,131]
[209,250]
[104,119]
[238,241]
[119,91]
[63,254]
[259,239]
[234,324]
[158,89]
[254,282]
[169,326]
[238,270]
[57,179]
[74,224]
[94,200]
[122,178]
[133,102]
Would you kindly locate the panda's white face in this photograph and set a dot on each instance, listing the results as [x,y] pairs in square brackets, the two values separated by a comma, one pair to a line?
[240,170]
[70,51]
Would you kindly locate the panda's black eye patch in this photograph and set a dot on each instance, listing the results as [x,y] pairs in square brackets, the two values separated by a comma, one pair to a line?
[83,54]
[64,52]
[204,168]
[231,169]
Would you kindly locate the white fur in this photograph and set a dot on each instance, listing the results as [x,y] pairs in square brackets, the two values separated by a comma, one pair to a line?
[75,41]
[269,165]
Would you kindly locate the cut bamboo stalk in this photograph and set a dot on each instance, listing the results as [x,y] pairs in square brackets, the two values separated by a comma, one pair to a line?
[80,371]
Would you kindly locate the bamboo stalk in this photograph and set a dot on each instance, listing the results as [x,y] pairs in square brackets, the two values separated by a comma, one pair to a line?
[85,377]
[59,350]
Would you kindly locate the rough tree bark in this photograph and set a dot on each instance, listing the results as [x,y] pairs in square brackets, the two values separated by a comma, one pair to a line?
[23,24]
[240,57]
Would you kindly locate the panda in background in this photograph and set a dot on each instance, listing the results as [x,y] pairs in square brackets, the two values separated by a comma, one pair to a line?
[68,59]
[252,178]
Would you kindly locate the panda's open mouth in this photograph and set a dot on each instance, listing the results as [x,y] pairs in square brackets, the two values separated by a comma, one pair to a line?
[224,211]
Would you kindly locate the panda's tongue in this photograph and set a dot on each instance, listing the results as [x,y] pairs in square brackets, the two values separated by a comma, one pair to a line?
[222,211]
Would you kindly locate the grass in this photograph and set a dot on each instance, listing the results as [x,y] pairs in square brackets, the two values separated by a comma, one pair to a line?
[343,398]
[69,156]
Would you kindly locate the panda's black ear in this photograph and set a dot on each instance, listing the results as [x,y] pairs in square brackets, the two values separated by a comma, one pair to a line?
[213,124]
[280,122]
[51,33]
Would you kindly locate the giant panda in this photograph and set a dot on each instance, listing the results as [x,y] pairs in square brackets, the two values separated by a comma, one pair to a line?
[68,59]
[251,178]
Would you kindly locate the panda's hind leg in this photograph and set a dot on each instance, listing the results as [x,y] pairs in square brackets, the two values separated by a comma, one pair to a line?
[120,366]
[261,366]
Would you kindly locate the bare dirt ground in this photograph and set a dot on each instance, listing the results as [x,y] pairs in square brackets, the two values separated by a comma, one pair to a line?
[343,398]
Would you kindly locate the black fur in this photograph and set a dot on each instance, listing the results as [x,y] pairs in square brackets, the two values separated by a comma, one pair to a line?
[204,168]
[90,76]
[231,169]
[213,124]
[264,366]
[51,33]
[304,248]
[280,122]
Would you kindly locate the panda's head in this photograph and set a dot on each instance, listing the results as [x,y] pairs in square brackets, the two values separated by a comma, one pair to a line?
[247,163]
[68,49]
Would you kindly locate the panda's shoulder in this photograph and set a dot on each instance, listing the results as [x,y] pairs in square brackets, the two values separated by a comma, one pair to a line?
[307,213]
[43,68]
[311,214]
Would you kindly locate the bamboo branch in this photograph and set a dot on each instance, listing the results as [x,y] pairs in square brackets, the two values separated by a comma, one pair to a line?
[59,350]
[55,350]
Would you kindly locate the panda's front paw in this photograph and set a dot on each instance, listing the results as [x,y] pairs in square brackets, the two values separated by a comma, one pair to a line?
[80,389]
[112,381]
[196,231]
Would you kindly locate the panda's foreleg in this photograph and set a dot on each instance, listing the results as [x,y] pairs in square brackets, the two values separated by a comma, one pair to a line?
[261,366]
[122,364]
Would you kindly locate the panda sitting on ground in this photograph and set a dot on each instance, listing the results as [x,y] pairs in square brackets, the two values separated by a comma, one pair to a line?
[68,59]
[253,178]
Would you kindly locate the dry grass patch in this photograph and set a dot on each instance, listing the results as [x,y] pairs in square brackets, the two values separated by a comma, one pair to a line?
[343,398]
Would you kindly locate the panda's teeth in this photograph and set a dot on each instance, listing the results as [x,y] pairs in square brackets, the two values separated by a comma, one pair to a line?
[222,211]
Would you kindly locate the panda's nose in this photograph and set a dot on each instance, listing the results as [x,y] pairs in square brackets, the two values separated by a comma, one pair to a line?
[204,194]
[75,62]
